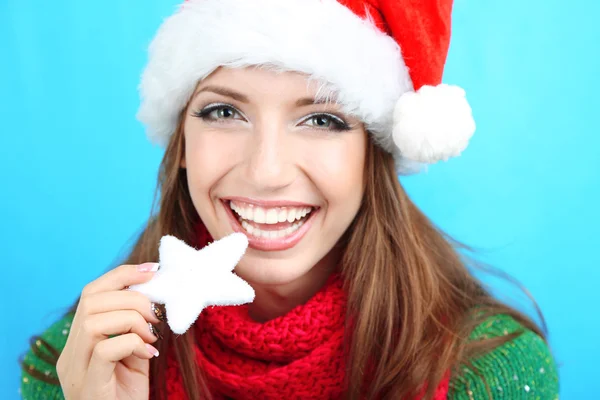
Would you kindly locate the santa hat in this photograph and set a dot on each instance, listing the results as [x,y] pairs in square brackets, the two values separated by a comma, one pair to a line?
[384,60]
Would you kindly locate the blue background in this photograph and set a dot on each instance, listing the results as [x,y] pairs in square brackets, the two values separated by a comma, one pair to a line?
[78,175]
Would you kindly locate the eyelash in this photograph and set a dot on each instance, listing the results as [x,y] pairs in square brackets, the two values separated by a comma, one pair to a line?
[206,111]
[338,123]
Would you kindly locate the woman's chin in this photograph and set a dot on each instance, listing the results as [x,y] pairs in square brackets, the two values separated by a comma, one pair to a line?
[269,272]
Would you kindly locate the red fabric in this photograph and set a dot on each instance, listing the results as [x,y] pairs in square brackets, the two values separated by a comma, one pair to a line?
[422,29]
[295,356]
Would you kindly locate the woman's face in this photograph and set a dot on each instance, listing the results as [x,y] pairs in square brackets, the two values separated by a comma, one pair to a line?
[263,159]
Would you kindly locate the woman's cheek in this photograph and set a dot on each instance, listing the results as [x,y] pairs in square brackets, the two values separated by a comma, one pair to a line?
[213,150]
[339,165]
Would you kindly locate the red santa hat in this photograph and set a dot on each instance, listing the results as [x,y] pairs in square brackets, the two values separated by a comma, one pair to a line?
[383,60]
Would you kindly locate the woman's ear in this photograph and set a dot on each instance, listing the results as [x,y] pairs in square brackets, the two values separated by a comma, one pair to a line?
[182,163]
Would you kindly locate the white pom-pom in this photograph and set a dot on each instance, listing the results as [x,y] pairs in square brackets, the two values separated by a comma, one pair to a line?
[433,123]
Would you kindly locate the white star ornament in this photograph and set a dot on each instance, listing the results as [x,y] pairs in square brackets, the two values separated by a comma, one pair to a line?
[189,280]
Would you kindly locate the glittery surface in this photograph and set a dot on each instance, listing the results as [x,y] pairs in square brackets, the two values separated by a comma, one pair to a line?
[520,369]
[32,388]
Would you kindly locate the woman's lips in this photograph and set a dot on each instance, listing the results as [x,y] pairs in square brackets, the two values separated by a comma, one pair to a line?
[271,244]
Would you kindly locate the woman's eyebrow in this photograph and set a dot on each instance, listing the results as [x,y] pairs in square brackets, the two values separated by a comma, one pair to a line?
[224,92]
[309,101]
[306,101]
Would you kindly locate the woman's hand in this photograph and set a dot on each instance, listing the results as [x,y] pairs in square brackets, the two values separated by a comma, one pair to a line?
[93,364]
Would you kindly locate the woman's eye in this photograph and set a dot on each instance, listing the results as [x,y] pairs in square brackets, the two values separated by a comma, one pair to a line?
[223,112]
[217,112]
[321,120]
[326,121]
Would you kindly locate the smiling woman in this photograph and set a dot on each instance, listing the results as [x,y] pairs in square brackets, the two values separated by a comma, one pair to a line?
[263,160]
[294,136]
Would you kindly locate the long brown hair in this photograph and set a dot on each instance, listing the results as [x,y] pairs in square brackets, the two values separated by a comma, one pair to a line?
[411,298]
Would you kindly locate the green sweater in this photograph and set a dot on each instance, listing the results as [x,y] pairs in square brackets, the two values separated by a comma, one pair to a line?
[522,368]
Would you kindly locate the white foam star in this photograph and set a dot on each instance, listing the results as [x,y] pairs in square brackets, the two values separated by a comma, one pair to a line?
[189,280]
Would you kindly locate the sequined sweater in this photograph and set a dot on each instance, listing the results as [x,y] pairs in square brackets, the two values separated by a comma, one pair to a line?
[522,368]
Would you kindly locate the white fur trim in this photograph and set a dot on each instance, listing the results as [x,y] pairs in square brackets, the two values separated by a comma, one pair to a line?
[321,38]
[433,124]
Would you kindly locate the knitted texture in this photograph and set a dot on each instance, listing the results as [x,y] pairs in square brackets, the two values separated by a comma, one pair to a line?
[527,358]
[295,356]
[521,368]
[525,368]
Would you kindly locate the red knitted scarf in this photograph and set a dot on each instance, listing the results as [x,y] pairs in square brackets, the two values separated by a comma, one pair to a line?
[295,356]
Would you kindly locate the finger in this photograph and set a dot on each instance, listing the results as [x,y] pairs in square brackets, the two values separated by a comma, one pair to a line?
[119,278]
[99,327]
[101,302]
[137,364]
[77,349]
[107,353]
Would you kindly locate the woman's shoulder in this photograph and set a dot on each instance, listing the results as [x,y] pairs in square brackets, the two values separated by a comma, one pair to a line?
[39,379]
[521,368]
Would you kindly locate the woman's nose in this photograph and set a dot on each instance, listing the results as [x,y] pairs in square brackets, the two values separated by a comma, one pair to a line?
[270,164]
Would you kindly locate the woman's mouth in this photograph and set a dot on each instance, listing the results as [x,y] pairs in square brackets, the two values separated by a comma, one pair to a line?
[270,228]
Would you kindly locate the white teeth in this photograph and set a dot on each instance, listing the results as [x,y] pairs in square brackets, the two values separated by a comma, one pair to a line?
[282,216]
[271,215]
[291,215]
[259,215]
[249,228]
[276,234]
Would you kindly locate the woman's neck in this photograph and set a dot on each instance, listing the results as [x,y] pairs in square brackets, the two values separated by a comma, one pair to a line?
[272,301]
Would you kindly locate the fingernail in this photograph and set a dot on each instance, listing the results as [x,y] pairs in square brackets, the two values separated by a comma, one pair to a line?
[154,330]
[152,350]
[148,267]
[159,311]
